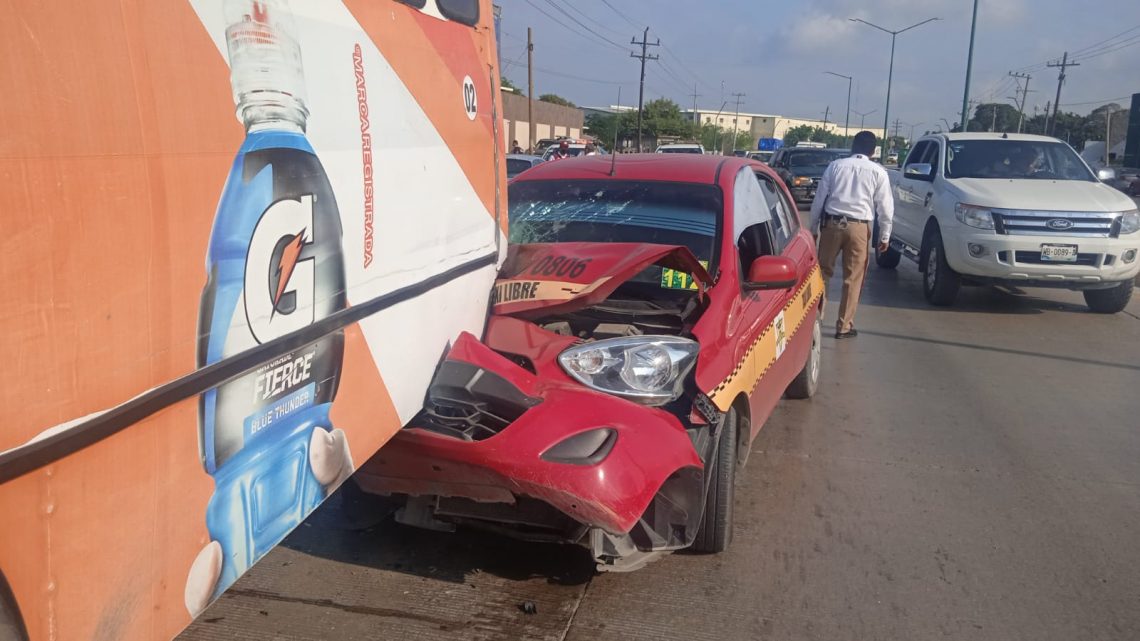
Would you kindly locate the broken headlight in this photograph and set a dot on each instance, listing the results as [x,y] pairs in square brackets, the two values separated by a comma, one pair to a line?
[646,369]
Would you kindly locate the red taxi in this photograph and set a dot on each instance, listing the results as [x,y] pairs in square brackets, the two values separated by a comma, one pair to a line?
[648,318]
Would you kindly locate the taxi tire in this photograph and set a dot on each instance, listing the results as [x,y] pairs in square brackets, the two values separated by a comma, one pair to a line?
[715,532]
[940,283]
[807,381]
[1109,301]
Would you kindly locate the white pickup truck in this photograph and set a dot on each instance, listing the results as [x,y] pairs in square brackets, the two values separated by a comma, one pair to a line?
[984,208]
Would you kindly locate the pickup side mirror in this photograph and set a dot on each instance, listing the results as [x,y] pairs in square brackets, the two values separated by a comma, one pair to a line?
[1106,174]
[771,272]
[919,171]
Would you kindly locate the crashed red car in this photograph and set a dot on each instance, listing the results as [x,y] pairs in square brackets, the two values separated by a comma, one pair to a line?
[647,320]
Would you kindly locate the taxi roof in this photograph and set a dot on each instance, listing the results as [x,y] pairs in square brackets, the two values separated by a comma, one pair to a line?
[692,168]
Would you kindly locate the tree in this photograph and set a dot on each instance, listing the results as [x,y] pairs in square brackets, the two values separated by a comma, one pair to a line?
[663,117]
[812,134]
[995,116]
[797,134]
[555,99]
[605,126]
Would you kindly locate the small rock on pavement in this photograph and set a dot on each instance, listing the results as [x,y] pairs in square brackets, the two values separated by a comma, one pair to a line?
[529,607]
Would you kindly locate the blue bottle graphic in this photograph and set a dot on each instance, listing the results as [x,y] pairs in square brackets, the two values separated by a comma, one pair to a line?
[275,266]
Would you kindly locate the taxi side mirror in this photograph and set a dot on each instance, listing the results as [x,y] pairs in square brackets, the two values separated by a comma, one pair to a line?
[771,272]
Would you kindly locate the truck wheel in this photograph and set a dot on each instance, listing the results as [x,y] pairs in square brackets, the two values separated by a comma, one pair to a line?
[11,624]
[888,259]
[1111,300]
[940,282]
[715,532]
[807,382]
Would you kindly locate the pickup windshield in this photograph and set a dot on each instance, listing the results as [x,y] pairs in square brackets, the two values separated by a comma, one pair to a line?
[1014,159]
[820,158]
[616,211]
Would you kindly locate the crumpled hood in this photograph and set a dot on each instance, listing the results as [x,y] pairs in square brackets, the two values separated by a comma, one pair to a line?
[1041,195]
[547,278]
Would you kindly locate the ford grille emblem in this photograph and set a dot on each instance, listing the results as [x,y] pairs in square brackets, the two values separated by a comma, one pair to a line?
[1060,224]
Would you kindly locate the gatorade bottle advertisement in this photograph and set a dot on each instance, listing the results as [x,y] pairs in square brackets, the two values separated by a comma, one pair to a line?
[275,266]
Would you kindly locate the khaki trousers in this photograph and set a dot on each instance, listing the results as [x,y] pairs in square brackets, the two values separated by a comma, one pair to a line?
[853,240]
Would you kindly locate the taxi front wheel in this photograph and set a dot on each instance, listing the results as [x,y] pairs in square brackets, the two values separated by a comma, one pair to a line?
[715,531]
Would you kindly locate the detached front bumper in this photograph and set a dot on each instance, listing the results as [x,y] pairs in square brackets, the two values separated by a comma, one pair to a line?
[500,447]
[1101,262]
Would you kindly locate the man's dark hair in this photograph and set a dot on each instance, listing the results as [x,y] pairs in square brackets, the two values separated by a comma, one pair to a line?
[864,143]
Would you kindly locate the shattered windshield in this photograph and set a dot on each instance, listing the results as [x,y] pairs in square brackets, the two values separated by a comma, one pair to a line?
[1014,159]
[616,211]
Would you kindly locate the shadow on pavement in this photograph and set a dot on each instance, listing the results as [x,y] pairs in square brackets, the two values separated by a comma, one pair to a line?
[357,528]
[1002,350]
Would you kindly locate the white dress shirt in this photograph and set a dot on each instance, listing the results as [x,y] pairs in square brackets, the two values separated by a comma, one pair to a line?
[855,187]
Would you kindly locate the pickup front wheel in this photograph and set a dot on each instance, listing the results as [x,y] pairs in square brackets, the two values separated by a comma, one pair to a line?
[1111,300]
[940,282]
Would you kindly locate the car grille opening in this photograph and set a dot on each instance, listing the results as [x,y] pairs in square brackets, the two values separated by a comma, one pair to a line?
[1044,223]
[470,403]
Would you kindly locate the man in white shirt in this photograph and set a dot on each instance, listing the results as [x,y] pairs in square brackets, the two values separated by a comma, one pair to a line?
[850,193]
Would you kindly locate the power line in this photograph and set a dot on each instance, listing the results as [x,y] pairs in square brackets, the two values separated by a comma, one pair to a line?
[1105,41]
[685,67]
[1102,101]
[583,25]
[573,77]
[622,15]
[1124,44]
[563,24]
[587,17]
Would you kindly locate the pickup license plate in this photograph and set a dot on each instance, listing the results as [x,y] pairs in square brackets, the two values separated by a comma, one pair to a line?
[1059,253]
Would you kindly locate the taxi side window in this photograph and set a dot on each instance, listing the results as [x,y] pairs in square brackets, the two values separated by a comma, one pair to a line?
[752,220]
[785,224]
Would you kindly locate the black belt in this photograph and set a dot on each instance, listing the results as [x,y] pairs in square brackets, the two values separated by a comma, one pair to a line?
[845,219]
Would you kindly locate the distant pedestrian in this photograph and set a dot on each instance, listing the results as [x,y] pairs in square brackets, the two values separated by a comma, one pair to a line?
[563,151]
[590,150]
[851,192]
[516,148]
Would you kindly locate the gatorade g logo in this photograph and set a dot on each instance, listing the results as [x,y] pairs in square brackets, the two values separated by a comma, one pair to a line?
[279,283]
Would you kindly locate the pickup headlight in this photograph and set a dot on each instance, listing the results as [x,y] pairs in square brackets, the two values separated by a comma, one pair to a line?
[646,369]
[801,181]
[979,217]
[1130,222]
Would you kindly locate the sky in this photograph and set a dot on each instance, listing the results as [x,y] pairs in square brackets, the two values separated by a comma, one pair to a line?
[777,52]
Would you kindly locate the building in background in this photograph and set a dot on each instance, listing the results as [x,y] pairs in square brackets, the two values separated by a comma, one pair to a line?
[765,125]
[551,120]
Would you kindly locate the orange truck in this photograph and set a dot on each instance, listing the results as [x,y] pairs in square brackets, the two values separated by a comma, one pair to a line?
[238,237]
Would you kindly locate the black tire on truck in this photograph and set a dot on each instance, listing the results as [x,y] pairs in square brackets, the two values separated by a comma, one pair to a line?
[807,381]
[1109,301]
[940,282]
[888,259]
[715,531]
[11,624]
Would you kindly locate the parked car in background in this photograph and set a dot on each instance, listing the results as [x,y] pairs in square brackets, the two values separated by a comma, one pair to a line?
[518,163]
[575,148]
[618,386]
[982,208]
[801,167]
[681,148]
[762,156]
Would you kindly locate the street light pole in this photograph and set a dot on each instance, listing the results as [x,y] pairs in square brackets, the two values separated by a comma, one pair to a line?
[863,117]
[969,67]
[890,73]
[846,123]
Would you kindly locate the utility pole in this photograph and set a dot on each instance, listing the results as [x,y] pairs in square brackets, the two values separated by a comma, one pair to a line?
[645,44]
[863,117]
[1064,64]
[993,122]
[847,122]
[736,120]
[530,88]
[1045,128]
[1024,94]
[897,125]
[969,67]
[826,113]
[695,95]
[1108,111]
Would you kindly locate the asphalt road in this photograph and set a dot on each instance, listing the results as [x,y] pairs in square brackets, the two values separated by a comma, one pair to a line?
[971,473]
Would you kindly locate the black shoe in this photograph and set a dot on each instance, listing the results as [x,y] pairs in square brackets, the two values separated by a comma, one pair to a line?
[848,334]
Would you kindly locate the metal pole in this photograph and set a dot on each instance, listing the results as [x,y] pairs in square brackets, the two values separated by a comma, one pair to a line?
[969,67]
[1107,135]
[887,111]
[847,122]
[530,89]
